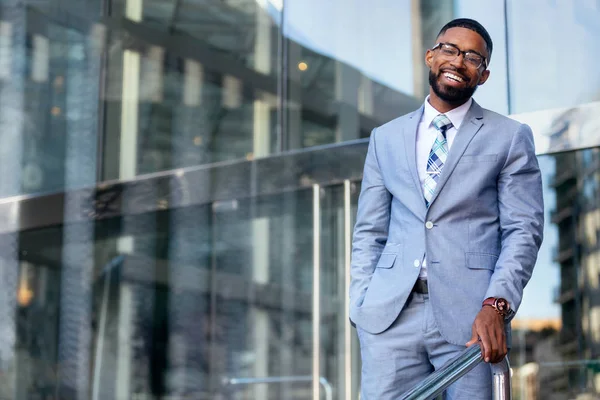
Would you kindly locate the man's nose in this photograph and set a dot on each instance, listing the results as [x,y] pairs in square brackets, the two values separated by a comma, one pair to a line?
[459,60]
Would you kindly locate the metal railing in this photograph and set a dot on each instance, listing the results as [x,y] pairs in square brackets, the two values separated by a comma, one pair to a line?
[431,387]
[227,382]
[437,382]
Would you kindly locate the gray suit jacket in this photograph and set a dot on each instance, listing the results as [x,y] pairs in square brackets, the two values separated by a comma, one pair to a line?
[485,230]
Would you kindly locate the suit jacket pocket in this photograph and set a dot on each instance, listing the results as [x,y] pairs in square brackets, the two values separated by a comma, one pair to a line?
[386,260]
[481,260]
[478,158]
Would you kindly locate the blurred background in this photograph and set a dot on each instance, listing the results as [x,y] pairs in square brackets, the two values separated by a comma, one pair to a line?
[179,179]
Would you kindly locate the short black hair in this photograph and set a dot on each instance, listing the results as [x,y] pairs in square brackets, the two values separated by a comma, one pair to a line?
[474,26]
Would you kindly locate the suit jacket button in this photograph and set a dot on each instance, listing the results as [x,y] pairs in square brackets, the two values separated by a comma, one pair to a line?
[429,225]
[417,263]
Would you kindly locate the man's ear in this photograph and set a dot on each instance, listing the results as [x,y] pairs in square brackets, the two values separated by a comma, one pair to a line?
[429,58]
[484,77]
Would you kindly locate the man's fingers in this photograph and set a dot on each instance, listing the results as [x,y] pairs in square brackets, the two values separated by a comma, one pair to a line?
[474,339]
[491,339]
[489,329]
[500,349]
[503,350]
[492,347]
[485,346]
[480,335]
[495,348]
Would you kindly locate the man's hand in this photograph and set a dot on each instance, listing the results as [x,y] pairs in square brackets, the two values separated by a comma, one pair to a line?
[489,328]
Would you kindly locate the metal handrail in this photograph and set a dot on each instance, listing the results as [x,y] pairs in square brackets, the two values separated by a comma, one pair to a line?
[438,381]
[428,389]
[280,379]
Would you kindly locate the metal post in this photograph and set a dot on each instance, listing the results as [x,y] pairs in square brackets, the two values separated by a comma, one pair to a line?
[501,380]
[347,259]
[316,303]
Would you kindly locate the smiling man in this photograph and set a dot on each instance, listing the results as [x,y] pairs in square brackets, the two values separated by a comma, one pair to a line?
[449,225]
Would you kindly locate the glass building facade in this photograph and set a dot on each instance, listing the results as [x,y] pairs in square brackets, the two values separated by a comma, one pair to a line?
[179,179]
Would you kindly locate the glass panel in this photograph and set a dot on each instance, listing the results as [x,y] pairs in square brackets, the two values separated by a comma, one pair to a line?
[36,351]
[189,83]
[49,88]
[556,343]
[344,78]
[542,59]
[339,350]
[243,29]
[264,325]
[563,112]
[183,302]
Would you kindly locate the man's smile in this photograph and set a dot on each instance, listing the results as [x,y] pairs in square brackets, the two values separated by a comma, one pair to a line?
[453,78]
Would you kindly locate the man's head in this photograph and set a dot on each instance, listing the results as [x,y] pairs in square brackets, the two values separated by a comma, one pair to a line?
[458,62]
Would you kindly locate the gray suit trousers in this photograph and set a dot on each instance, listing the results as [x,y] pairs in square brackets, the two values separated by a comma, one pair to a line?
[404,354]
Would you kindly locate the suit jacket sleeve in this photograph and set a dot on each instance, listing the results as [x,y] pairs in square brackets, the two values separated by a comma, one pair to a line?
[372,224]
[521,209]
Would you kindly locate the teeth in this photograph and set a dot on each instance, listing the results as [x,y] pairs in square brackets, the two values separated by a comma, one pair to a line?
[453,77]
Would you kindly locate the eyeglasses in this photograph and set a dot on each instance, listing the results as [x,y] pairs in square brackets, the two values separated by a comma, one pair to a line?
[471,58]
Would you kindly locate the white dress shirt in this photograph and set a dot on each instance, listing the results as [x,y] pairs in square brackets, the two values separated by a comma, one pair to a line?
[426,134]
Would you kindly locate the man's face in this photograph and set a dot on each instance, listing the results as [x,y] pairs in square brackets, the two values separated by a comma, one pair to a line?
[453,79]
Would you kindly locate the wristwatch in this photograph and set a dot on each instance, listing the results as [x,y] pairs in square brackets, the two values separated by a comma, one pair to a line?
[501,306]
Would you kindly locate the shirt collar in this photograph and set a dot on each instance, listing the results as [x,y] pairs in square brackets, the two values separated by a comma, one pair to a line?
[456,116]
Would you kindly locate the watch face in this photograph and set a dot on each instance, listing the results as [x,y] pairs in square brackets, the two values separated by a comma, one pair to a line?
[502,305]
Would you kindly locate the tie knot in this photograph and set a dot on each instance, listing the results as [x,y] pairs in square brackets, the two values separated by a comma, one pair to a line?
[441,123]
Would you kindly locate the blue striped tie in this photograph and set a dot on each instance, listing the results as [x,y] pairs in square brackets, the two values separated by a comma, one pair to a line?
[437,157]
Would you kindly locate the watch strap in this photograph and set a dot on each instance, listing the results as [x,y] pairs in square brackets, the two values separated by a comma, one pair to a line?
[490,301]
[493,302]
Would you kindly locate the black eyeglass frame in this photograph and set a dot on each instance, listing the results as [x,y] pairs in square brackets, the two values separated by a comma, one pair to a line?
[464,53]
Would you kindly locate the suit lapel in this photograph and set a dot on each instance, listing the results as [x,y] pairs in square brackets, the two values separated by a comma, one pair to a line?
[468,129]
[410,145]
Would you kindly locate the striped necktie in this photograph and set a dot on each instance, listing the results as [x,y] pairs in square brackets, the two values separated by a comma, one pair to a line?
[437,156]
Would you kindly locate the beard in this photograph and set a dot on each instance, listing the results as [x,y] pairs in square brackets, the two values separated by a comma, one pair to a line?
[450,94]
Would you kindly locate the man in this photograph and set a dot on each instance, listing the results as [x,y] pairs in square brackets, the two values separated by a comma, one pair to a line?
[449,224]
